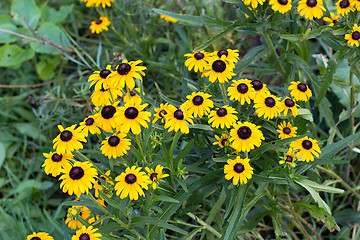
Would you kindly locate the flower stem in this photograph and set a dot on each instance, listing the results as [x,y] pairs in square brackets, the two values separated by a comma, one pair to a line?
[271,45]
[352,115]
[222,85]
[312,123]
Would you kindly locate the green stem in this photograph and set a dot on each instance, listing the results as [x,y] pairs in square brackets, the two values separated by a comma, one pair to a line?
[139,143]
[271,45]
[222,85]
[312,123]
[352,115]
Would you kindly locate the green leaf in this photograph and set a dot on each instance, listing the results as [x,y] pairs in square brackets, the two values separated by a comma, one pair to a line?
[184,152]
[7,24]
[162,198]
[46,67]
[12,55]
[50,15]
[111,202]
[322,188]
[2,154]
[306,114]
[146,220]
[25,13]
[252,55]
[330,150]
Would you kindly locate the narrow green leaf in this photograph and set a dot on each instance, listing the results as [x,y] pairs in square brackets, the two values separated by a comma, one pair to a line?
[2,154]
[112,202]
[162,198]
[147,220]
[184,152]
[322,188]
[330,150]
[251,56]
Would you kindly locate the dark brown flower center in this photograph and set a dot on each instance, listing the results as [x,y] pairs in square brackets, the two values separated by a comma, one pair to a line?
[311,3]
[114,141]
[35,238]
[98,21]
[89,121]
[307,144]
[222,52]
[282,2]
[257,85]
[56,157]
[108,111]
[66,136]
[124,68]
[242,88]
[244,132]
[84,236]
[344,4]
[224,141]
[179,115]
[162,113]
[152,176]
[104,73]
[131,113]
[286,130]
[239,168]
[199,56]
[288,159]
[132,93]
[219,66]
[221,112]
[76,173]
[270,102]
[289,102]
[198,100]
[302,87]
[355,35]
[130,178]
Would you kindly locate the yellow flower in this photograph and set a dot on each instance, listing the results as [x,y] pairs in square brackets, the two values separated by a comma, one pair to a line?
[74,213]
[300,91]
[245,136]
[88,233]
[105,96]
[332,19]
[126,72]
[223,117]
[104,3]
[106,118]
[168,19]
[306,148]
[223,141]
[177,118]
[311,8]
[55,162]
[259,87]
[197,61]
[242,90]
[160,112]
[254,3]
[230,56]
[69,139]
[39,236]
[198,104]
[267,105]
[89,125]
[100,78]
[281,6]
[156,175]
[289,158]
[286,130]
[288,105]
[115,145]
[219,70]
[355,4]
[343,7]
[98,185]
[354,37]
[132,95]
[239,170]
[100,25]
[89,3]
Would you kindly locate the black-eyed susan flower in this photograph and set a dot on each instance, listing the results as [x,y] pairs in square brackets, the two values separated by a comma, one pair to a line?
[89,3]
[69,139]
[281,6]
[223,141]
[198,104]
[245,136]
[177,119]
[115,145]
[197,61]
[288,105]
[89,125]
[168,19]
[160,112]
[289,158]
[300,91]
[131,183]
[343,7]
[131,116]
[219,70]
[239,170]
[311,8]
[103,3]
[74,213]
[132,95]
[332,19]
[156,175]
[254,3]
[39,236]
[242,90]
[354,37]
[126,73]
[355,4]
[223,117]
[78,179]
[306,148]
[100,78]
[231,56]
[54,162]
[105,96]
[106,118]
[100,25]
[267,105]
[259,87]
[286,130]
[87,233]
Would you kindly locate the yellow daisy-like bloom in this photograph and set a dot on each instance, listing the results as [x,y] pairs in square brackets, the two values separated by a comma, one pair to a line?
[311,8]
[286,130]
[126,72]
[103,3]
[223,117]
[289,158]
[98,185]
[343,7]
[355,4]
[254,3]
[219,70]
[89,3]
[69,139]
[105,96]
[354,37]
[100,78]
[332,19]
[288,105]
[132,95]
[267,105]
[168,19]
[39,236]
[74,213]
[177,118]
[223,141]
[245,136]
[131,116]
[106,118]
[115,145]
[198,104]
[160,112]
[87,233]
[300,91]
[259,87]
[78,179]
[100,25]
[197,61]
[282,6]
[131,182]
[231,56]
[54,162]
[89,125]
[242,90]
[306,147]
[239,170]
[156,175]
